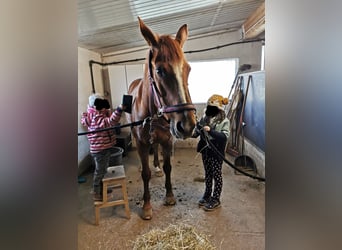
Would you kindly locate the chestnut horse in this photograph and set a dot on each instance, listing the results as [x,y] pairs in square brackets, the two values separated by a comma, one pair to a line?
[163,101]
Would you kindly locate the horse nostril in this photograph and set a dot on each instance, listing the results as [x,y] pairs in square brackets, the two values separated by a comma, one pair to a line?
[179,127]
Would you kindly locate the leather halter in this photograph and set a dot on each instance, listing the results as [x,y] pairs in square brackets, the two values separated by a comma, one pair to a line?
[156,96]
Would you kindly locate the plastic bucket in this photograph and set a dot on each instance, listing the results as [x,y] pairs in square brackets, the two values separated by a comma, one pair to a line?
[116,156]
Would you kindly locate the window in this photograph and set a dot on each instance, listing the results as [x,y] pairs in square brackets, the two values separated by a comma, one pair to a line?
[263,57]
[211,77]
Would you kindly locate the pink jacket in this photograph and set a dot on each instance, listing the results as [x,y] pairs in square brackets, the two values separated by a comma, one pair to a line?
[95,120]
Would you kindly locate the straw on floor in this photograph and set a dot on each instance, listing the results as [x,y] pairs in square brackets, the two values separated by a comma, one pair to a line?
[173,237]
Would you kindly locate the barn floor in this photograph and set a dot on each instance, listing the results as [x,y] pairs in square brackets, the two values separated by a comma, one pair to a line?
[238,224]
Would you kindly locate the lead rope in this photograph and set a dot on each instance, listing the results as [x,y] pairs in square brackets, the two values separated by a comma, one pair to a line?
[212,146]
[132,124]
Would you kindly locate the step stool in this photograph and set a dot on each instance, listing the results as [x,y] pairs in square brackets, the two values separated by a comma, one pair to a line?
[114,178]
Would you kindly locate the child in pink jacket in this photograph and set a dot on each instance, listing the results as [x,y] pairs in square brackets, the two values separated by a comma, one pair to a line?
[99,116]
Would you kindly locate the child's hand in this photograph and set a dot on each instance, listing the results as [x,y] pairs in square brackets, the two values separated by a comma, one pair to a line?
[206,128]
[123,107]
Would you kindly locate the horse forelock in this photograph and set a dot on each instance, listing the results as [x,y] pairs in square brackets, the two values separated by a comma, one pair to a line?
[169,49]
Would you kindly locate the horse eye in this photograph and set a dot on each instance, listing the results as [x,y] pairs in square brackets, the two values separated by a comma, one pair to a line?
[160,71]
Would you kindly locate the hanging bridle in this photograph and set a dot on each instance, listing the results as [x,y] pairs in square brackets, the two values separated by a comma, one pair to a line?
[156,97]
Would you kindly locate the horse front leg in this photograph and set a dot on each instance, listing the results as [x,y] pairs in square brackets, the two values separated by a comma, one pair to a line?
[146,176]
[158,171]
[169,199]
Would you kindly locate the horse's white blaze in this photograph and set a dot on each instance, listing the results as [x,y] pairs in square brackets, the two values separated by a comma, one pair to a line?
[180,86]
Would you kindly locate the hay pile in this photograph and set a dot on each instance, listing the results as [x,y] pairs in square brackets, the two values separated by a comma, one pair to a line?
[173,237]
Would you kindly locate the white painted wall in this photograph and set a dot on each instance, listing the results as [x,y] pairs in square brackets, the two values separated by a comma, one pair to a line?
[120,76]
[84,90]
[118,85]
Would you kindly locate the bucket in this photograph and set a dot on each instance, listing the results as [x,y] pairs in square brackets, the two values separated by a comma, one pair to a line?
[245,164]
[116,156]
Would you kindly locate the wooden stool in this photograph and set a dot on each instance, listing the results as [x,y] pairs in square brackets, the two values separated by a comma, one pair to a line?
[115,178]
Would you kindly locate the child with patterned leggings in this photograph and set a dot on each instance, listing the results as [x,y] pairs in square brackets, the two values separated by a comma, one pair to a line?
[215,126]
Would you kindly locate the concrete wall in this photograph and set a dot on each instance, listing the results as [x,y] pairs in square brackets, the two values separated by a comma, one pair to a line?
[84,90]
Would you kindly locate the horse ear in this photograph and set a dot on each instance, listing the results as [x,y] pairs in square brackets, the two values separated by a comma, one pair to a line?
[149,36]
[182,35]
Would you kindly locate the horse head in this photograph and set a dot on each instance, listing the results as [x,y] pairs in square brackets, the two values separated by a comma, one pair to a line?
[167,72]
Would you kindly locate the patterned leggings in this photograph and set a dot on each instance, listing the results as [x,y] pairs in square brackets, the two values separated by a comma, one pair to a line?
[213,171]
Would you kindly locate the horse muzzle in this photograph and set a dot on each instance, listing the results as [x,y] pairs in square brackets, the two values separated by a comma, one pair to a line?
[182,125]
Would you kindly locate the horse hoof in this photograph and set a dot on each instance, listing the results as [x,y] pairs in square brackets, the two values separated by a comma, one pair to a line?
[170,201]
[147,214]
[159,172]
